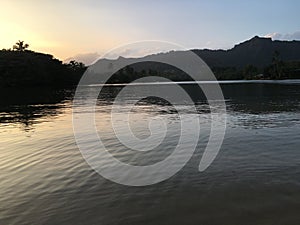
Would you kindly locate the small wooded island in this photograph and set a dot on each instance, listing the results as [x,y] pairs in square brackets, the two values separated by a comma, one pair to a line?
[257,58]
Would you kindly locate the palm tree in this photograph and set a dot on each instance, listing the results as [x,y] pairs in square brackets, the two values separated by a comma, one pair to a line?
[20,46]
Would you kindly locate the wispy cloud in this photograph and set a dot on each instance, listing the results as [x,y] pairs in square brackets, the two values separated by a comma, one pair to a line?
[141,48]
[86,58]
[288,37]
[133,50]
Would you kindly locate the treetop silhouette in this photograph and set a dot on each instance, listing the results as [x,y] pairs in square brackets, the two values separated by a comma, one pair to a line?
[20,46]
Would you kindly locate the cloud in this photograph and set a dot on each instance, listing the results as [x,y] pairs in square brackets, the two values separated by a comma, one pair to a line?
[140,49]
[86,58]
[288,37]
[132,53]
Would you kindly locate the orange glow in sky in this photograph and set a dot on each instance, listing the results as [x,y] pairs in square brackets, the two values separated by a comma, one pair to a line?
[65,28]
[54,27]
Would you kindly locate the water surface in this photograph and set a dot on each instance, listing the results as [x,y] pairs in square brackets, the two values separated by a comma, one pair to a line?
[255,178]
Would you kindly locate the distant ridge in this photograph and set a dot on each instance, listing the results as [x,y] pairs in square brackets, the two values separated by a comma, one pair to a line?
[257,58]
[257,51]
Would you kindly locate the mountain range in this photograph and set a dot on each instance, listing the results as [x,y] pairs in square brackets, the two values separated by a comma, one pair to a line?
[258,57]
[258,51]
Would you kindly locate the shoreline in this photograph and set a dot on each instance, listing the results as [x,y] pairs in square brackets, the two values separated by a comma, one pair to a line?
[286,81]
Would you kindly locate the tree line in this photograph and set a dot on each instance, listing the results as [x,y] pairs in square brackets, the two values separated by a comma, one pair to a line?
[278,69]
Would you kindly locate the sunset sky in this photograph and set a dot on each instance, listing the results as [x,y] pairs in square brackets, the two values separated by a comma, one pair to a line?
[66,28]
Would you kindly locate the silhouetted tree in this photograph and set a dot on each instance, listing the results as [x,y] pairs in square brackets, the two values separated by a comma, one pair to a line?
[277,65]
[74,65]
[20,46]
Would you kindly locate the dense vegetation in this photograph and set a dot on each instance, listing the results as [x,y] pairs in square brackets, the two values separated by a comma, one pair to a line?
[22,67]
[277,69]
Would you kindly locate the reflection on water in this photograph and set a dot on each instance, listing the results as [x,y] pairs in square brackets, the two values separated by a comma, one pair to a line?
[262,98]
[31,105]
[254,179]
[35,105]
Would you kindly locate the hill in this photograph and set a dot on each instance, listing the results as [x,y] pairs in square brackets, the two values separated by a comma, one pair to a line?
[28,68]
[258,51]
[257,58]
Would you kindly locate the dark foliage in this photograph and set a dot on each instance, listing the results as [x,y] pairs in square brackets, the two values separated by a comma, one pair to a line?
[27,68]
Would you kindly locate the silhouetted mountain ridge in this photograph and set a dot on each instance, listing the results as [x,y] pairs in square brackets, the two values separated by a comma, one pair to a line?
[258,51]
[257,58]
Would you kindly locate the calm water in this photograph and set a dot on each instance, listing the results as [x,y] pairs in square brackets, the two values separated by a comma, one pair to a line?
[255,179]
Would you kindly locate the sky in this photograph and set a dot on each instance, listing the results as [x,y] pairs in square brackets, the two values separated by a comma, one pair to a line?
[87,29]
